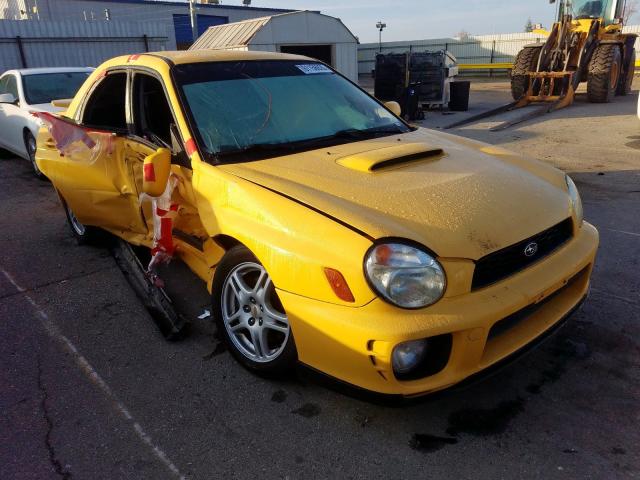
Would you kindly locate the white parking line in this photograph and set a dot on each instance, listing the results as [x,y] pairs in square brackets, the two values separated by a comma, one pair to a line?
[622,231]
[93,375]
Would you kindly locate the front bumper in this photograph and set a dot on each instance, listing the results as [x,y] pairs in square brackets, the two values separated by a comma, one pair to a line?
[355,344]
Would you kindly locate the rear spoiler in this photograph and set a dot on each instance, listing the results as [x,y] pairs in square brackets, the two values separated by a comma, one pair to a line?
[62,103]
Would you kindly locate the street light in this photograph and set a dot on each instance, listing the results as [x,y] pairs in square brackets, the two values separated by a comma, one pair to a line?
[380,26]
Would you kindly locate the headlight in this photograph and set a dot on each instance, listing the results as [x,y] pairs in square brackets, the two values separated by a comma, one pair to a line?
[576,202]
[404,275]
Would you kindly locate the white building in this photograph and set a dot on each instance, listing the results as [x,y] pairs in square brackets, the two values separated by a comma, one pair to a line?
[305,33]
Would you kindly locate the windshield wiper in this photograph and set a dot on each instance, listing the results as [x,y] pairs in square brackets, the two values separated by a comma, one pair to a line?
[289,147]
[369,132]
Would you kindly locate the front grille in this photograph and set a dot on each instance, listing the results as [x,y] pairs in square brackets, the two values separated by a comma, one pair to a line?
[507,323]
[504,263]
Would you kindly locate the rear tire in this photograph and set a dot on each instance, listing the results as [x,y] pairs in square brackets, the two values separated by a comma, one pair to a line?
[526,61]
[604,73]
[84,234]
[624,86]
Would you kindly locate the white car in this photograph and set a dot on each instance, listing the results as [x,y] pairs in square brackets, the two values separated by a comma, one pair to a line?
[32,90]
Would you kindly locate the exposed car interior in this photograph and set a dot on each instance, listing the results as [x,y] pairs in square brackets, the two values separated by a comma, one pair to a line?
[152,115]
[106,106]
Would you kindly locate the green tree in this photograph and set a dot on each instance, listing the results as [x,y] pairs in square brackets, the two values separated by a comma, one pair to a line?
[528,28]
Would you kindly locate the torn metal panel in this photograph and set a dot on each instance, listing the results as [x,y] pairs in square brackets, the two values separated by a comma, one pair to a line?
[70,138]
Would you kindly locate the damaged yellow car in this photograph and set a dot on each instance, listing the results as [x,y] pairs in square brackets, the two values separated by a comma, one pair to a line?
[329,232]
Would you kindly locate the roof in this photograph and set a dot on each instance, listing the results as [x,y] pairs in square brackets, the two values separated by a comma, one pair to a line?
[200,5]
[240,34]
[234,34]
[38,71]
[180,57]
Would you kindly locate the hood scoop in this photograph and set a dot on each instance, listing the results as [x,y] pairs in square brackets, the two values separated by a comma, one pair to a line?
[395,156]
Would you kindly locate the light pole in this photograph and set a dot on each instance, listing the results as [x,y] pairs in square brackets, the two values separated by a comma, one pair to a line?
[193,16]
[380,26]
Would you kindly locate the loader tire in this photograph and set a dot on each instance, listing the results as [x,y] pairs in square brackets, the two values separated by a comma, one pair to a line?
[604,73]
[526,61]
[624,85]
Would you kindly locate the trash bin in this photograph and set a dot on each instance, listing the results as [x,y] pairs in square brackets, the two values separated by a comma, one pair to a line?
[459,97]
[411,108]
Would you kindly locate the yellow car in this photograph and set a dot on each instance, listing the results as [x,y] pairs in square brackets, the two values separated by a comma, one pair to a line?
[329,232]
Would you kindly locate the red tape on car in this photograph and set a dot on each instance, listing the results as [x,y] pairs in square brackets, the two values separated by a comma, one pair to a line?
[149,172]
[190,147]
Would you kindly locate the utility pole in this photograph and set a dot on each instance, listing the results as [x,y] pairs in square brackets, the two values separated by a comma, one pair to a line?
[194,19]
[380,26]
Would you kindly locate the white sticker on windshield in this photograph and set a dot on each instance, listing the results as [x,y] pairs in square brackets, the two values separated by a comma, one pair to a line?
[313,68]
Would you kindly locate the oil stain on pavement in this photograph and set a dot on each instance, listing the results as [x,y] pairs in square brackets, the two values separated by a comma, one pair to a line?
[307,410]
[430,443]
[484,422]
[279,396]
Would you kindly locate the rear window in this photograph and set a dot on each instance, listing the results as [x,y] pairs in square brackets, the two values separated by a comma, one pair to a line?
[45,87]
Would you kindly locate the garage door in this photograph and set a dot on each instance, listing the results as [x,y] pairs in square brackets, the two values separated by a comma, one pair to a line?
[321,52]
[182,26]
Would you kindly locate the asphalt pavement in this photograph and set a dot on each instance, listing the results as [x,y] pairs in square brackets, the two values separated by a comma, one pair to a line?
[90,390]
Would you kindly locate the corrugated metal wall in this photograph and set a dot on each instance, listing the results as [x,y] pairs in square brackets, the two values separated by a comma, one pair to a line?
[477,49]
[160,13]
[62,44]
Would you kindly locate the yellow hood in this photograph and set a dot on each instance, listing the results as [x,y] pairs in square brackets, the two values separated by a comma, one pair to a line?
[458,197]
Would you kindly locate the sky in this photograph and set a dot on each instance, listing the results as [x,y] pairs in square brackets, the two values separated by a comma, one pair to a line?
[420,19]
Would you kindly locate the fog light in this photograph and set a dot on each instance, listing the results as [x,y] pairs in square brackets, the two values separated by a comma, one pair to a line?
[408,355]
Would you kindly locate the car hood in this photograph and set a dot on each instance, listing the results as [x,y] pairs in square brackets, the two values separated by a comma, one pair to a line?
[458,197]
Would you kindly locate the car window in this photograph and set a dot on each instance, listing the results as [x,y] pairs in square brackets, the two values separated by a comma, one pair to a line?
[151,113]
[105,108]
[44,87]
[256,106]
[9,85]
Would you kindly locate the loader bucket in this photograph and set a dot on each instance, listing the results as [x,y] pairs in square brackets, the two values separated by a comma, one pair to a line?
[554,87]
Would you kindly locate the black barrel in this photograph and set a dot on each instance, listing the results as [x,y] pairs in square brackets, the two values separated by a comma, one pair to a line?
[459,99]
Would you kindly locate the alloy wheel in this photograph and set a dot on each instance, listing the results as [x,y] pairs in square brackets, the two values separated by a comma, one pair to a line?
[77,226]
[252,314]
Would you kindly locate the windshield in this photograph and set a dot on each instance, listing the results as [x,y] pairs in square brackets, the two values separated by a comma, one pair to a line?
[44,87]
[583,9]
[256,108]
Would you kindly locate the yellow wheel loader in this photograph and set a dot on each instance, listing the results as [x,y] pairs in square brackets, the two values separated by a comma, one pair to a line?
[586,44]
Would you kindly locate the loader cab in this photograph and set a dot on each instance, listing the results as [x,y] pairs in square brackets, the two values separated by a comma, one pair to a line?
[608,10]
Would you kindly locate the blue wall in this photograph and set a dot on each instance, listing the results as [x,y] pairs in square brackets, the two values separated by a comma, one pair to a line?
[182,26]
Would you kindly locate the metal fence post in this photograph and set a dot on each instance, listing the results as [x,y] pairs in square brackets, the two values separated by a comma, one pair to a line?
[23,58]
[493,53]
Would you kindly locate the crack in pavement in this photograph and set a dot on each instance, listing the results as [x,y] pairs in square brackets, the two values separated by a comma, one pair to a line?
[57,465]
[53,331]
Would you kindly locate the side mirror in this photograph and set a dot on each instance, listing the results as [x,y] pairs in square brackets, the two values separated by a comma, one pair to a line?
[156,171]
[7,98]
[394,107]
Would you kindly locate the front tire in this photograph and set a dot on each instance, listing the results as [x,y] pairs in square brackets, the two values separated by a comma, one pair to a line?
[624,86]
[526,61]
[604,73]
[31,146]
[249,316]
